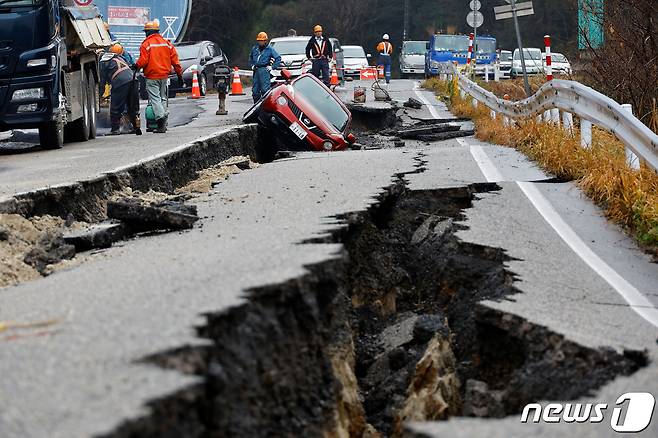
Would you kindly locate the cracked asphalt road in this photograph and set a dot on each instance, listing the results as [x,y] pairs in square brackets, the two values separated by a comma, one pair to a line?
[147,295]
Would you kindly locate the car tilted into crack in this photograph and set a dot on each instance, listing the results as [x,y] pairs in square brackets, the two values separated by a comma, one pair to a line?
[303,114]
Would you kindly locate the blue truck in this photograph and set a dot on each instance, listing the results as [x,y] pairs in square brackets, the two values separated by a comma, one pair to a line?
[443,50]
[49,51]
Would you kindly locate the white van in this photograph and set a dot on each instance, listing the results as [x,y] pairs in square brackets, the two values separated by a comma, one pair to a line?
[533,62]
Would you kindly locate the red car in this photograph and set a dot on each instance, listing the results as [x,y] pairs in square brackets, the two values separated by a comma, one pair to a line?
[304,115]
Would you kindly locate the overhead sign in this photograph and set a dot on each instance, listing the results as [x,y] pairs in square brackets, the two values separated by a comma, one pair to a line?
[127,17]
[475,19]
[522,9]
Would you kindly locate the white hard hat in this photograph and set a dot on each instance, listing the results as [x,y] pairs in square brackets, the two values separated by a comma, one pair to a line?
[386,37]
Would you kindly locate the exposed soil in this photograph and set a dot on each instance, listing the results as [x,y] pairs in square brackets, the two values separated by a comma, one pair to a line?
[389,331]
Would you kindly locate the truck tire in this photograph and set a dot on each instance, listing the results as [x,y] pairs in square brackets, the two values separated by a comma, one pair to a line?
[51,135]
[78,130]
[92,88]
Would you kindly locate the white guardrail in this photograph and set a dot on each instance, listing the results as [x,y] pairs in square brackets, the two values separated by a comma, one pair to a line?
[574,98]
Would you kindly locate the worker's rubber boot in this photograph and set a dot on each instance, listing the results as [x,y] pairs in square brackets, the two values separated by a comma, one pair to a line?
[162,126]
[116,125]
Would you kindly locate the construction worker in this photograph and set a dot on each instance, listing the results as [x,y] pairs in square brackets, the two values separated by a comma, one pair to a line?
[157,56]
[116,72]
[320,51]
[385,51]
[263,59]
[126,55]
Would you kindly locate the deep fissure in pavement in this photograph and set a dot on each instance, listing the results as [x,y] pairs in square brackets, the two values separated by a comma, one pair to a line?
[388,331]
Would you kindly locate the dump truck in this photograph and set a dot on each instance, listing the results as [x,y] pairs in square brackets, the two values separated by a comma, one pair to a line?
[49,75]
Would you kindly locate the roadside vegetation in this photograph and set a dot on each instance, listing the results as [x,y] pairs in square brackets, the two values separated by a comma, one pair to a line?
[629,197]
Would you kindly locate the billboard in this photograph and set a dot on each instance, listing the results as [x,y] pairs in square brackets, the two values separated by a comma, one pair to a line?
[127,17]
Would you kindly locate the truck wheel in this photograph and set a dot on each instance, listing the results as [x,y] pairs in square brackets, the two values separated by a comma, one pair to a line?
[91,97]
[51,135]
[79,129]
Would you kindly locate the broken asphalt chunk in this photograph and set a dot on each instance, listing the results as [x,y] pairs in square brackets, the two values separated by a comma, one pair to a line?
[425,130]
[167,215]
[101,235]
[413,103]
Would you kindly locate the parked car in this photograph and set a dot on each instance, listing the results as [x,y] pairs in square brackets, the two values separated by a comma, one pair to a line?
[355,60]
[533,62]
[293,56]
[559,64]
[303,114]
[412,58]
[203,56]
[505,63]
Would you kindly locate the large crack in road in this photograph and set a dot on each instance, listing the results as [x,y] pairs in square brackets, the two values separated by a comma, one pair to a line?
[388,332]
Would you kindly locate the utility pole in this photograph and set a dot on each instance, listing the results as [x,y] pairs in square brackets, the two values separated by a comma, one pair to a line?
[520,44]
[405,32]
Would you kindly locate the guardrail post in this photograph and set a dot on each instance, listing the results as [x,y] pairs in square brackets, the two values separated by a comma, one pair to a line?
[585,133]
[631,158]
[497,72]
[462,94]
[547,116]
[475,103]
[443,77]
[492,113]
[486,73]
[567,121]
[555,116]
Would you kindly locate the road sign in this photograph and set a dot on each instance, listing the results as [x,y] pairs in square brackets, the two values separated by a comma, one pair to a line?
[522,9]
[475,19]
[368,74]
[476,5]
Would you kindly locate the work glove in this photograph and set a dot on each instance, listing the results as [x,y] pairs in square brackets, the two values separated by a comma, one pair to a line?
[134,67]
[180,78]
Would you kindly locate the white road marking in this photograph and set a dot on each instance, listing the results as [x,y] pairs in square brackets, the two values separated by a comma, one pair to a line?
[488,169]
[425,101]
[636,300]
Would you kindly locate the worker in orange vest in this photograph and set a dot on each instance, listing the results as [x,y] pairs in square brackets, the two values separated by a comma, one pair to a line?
[157,56]
[116,72]
[385,51]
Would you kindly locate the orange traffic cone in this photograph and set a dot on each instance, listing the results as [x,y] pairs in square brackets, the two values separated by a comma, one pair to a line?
[196,91]
[334,77]
[236,87]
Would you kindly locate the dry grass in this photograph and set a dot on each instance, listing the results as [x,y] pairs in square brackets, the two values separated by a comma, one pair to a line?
[629,197]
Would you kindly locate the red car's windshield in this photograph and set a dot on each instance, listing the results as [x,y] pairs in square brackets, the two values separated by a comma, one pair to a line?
[317,96]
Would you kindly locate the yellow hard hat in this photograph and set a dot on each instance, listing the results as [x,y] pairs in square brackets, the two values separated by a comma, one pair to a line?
[116,48]
[262,36]
[152,25]
[317,28]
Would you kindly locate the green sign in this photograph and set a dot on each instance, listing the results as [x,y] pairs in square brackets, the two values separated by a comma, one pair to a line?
[590,24]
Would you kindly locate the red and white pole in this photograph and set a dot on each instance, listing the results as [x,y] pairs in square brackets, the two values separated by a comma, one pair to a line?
[549,69]
[471,37]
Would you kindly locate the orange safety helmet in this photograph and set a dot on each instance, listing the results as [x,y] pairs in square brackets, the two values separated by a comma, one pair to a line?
[262,36]
[317,28]
[116,48]
[152,25]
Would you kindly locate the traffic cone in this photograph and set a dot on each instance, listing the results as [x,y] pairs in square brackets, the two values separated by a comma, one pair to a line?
[196,91]
[236,86]
[334,77]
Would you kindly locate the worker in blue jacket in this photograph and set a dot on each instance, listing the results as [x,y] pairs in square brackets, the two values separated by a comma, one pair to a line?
[263,59]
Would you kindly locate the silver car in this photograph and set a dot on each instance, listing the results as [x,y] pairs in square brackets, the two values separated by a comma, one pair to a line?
[355,60]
